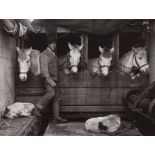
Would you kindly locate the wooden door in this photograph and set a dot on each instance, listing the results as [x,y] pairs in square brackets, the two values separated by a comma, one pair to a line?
[73,88]
[102,93]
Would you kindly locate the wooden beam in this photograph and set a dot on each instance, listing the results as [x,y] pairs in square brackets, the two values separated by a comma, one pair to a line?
[115,44]
[93,108]
[131,29]
[63,30]
[152,53]
[85,49]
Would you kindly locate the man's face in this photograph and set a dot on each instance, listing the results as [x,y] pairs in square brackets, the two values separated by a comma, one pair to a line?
[52,46]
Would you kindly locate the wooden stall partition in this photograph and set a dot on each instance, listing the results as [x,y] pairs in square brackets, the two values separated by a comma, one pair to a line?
[73,88]
[152,53]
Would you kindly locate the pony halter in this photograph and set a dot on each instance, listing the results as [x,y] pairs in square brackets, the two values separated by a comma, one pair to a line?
[138,66]
[69,64]
[135,58]
[23,72]
[101,66]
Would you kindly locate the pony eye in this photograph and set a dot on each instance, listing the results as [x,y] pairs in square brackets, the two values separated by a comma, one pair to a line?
[27,61]
[140,58]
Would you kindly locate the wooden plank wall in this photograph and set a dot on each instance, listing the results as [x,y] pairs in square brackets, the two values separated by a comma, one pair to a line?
[7,69]
[152,53]
[30,90]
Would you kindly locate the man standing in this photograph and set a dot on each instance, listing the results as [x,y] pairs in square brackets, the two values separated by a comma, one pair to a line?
[49,72]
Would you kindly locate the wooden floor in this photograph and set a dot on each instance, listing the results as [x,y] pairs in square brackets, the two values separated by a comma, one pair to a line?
[78,129]
[25,126]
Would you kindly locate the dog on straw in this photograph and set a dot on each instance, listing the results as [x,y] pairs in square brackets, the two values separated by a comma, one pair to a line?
[107,124]
[18,109]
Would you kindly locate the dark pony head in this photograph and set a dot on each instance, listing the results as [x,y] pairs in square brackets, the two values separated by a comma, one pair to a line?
[105,59]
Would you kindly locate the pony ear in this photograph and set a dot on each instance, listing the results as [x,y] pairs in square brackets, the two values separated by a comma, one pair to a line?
[112,50]
[28,52]
[18,50]
[70,46]
[144,47]
[134,49]
[101,49]
[81,47]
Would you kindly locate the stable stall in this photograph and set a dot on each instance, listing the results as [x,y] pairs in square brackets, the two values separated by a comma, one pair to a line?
[83,95]
[77,92]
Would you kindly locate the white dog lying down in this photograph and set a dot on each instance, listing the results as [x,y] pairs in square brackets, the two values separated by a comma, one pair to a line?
[107,124]
[19,109]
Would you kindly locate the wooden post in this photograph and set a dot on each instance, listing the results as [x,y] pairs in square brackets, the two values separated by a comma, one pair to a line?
[85,49]
[152,53]
[115,44]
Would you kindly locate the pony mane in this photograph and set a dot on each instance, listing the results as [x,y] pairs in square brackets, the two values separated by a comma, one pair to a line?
[35,62]
[106,53]
[127,54]
[75,45]
[142,50]
[22,55]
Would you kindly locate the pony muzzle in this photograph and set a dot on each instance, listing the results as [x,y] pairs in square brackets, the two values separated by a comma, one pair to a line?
[74,69]
[105,71]
[144,68]
[23,76]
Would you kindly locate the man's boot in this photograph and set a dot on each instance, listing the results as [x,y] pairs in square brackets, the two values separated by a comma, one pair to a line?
[56,117]
[36,112]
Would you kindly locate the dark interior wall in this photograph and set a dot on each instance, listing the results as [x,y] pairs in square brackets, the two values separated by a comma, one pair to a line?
[129,40]
[36,41]
[40,41]
[62,42]
[94,41]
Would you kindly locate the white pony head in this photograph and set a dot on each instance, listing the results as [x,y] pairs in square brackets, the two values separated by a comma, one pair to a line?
[74,56]
[24,62]
[140,60]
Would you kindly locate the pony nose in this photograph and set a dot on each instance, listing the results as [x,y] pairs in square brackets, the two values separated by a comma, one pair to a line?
[23,77]
[74,70]
[105,74]
[105,71]
[145,69]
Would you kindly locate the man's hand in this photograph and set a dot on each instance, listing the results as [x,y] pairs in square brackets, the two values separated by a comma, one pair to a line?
[51,82]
